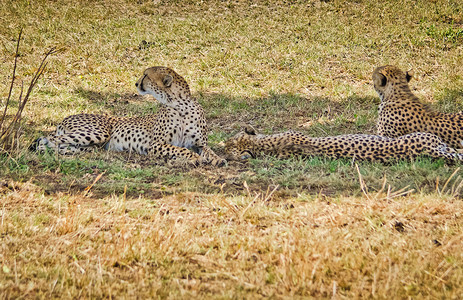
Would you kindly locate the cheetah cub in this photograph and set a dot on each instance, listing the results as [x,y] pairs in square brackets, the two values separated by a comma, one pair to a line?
[177,132]
[401,112]
[248,144]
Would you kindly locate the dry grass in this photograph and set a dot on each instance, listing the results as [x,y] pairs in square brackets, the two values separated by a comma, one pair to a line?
[251,246]
[330,230]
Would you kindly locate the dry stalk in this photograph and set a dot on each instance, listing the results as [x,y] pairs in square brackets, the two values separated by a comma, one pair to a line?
[88,188]
[241,211]
[363,186]
[453,191]
[264,198]
[12,82]
[389,194]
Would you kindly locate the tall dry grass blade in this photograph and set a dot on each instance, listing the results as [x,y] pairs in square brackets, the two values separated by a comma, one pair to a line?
[456,191]
[363,186]
[390,194]
[269,195]
[245,184]
[448,180]
[88,188]
[382,187]
[248,206]
[124,196]
[401,192]
[230,206]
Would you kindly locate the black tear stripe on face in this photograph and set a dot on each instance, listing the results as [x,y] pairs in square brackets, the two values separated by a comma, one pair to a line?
[383,80]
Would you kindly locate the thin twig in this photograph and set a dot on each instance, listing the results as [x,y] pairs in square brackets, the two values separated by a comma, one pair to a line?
[12,80]
[7,134]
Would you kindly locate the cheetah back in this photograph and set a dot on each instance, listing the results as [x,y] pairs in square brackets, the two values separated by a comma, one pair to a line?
[401,112]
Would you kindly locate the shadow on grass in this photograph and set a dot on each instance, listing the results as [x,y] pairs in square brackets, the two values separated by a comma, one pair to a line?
[450,100]
[296,178]
[316,116]
[102,98]
[125,104]
[226,114]
[276,113]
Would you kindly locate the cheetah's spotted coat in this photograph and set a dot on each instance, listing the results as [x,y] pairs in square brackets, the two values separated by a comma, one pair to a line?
[178,127]
[247,144]
[401,112]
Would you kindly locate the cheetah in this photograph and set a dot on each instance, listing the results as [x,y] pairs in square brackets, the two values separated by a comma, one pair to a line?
[177,132]
[401,112]
[248,144]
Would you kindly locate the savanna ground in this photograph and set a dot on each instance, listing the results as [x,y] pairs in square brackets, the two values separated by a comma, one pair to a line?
[265,228]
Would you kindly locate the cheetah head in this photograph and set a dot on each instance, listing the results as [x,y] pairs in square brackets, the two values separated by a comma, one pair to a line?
[242,145]
[165,85]
[387,77]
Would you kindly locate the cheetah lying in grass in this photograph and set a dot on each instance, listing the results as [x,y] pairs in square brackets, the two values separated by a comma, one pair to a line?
[179,126]
[248,144]
[401,112]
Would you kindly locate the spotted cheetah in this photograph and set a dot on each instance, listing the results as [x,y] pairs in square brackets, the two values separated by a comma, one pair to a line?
[401,112]
[178,127]
[248,143]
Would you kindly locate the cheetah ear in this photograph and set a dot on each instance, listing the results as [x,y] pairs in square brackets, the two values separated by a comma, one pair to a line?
[167,80]
[409,75]
[379,79]
[248,129]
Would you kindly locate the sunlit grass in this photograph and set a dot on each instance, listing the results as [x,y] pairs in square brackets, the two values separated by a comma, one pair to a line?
[266,228]
[256,245]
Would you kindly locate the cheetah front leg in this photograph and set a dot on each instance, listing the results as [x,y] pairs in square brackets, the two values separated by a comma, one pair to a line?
[445,152]
[174,153]
[434,147]
[208,156]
